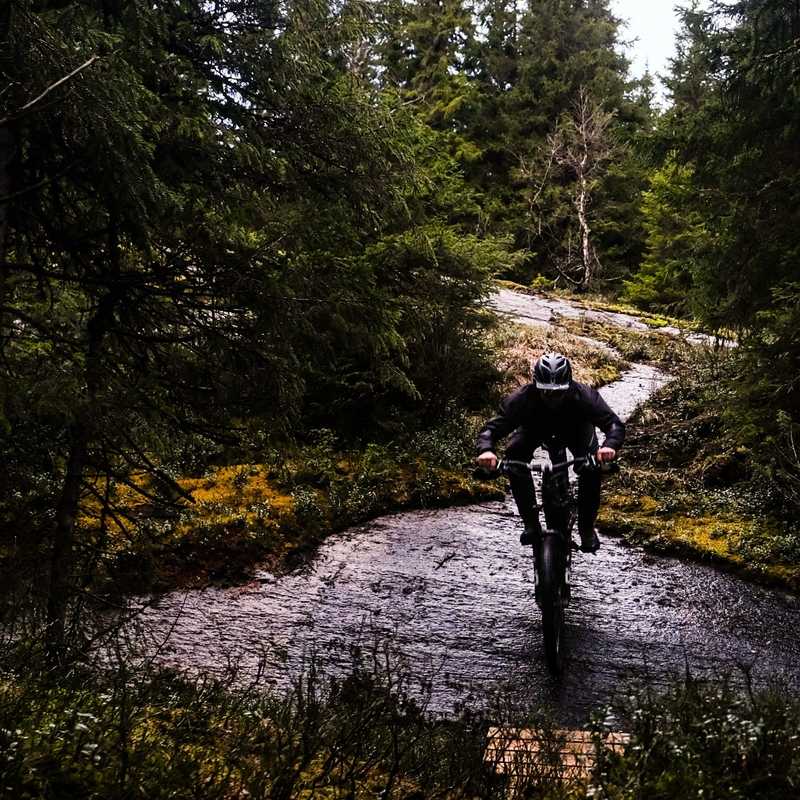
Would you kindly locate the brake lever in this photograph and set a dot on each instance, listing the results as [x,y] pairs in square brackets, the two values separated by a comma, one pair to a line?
[608,467]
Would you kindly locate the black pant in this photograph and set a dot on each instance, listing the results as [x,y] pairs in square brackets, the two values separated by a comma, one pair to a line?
[581,441]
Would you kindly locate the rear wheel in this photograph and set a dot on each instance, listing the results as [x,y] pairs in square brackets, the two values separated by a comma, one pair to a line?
[551,577]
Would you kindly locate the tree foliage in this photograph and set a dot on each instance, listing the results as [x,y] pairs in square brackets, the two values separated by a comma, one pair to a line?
[676,233]
[722,213]
[500,81]
[197,200]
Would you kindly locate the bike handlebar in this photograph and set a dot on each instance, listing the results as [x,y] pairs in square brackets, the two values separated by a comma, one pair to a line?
[506,466]
[547,467]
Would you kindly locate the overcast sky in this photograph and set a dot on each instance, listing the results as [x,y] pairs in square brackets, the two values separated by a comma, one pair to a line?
[653,24]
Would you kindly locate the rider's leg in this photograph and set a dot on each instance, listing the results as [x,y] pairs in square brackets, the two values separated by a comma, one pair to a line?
[589,483]
[589,480]
[520,448]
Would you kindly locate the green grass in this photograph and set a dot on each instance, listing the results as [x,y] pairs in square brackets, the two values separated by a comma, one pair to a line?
[149,733]
[701,740]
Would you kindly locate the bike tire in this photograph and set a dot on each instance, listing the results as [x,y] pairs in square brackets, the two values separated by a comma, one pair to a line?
[551,578]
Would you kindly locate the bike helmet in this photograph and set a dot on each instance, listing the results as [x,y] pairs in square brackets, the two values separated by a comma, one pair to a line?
[552,371]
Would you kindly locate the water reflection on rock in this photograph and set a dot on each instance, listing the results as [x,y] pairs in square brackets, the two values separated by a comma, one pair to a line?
[449,593]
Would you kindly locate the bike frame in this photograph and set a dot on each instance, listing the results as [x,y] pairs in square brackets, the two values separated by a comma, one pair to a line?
[553,561]
[547,471]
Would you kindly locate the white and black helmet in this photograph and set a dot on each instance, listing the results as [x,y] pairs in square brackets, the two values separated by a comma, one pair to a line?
[552,371]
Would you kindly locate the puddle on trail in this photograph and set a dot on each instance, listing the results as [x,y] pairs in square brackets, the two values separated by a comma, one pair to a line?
[450,593]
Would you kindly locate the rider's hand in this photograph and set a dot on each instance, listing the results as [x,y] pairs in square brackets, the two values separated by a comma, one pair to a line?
[606,454]
[487,461]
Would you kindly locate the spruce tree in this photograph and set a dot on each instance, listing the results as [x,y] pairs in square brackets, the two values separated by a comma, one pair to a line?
[196,191]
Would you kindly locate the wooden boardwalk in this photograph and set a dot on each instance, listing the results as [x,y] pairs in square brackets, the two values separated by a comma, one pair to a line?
[527,755]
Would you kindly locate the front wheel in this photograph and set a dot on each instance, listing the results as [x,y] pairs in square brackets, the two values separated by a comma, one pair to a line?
[551,578]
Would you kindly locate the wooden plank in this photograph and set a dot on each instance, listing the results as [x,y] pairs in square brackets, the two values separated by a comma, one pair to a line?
[566,755]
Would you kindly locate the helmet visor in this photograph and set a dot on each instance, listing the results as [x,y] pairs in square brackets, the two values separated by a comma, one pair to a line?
[557,387]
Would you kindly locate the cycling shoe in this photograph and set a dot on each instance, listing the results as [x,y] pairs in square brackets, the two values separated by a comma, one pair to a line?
[590,542]
[531,535]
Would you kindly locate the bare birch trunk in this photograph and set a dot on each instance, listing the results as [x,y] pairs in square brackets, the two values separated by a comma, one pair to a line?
[7,146]
[580,145]
[7,151]
[583,221]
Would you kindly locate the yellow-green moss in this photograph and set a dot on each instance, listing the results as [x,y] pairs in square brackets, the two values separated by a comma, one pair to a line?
[599,302]
[244,514]
[516,287]
[719,537]
[240,486]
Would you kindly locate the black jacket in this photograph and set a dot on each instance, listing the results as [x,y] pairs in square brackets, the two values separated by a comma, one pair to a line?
[524,409]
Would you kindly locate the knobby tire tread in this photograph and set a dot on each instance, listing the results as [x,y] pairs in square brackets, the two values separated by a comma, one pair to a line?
[550,580]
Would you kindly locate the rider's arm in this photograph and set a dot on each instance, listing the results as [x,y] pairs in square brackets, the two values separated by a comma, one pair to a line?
[507,420]
[604,418]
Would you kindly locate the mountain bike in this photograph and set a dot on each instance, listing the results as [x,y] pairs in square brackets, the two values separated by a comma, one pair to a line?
[553,556]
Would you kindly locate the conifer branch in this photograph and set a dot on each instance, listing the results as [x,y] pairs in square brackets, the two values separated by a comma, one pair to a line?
[29,106]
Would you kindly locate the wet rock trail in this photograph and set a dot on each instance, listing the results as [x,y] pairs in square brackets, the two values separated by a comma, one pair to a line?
[448,595]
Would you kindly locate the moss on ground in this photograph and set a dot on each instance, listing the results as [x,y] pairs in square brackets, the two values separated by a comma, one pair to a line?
[666,352]
[598,302]
[601,302]
[517,287]
[272,515]
[744,544]
[689,488]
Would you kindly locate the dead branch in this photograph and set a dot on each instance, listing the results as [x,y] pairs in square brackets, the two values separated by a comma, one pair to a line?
[29,105]
[581,146]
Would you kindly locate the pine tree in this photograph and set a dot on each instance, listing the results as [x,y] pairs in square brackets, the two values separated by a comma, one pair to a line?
[425,54]
[724,208]
[533,64]
[676,235]
[195,195]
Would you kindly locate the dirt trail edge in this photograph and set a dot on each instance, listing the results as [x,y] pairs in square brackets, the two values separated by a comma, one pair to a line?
[448,596]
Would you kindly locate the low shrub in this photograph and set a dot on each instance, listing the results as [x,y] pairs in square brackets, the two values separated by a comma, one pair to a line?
[716,741]
[127,732]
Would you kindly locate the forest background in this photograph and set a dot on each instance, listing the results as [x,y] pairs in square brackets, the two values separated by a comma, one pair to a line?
[259,236]
[231,231]
[232,228]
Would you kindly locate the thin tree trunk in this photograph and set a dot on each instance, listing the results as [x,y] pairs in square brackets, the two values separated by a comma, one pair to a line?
[7,149]
[8,146]
[63,541]
[583,221]
[81,433]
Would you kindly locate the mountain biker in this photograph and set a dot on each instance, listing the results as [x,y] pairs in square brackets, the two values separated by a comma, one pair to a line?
[556,412]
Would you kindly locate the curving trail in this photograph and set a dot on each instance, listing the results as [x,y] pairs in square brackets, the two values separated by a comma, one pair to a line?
[449,594]
[543,310]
